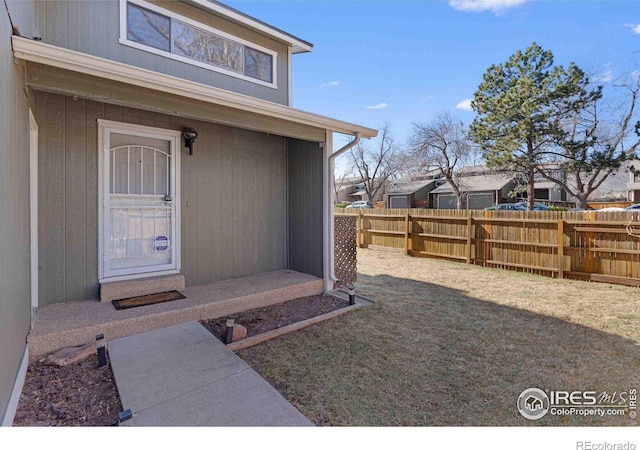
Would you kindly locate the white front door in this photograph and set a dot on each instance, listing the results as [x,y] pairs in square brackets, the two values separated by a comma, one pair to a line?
[139,223]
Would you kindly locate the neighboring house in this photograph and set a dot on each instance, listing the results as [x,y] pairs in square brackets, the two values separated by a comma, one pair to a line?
[618,186]
[102,178]
[633,182]
[480,189]
[346,187]
[352,189]
[411,193]
[546,190]
[622,185]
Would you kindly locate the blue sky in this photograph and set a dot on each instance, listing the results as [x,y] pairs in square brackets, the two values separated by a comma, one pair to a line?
[404,61]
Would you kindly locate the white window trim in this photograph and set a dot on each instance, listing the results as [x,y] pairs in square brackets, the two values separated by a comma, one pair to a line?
[108,126]
[125,41]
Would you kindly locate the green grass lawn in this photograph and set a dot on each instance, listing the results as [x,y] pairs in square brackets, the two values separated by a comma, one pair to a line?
[451,344]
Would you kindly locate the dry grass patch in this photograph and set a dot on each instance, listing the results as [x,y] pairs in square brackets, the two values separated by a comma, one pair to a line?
[451,344]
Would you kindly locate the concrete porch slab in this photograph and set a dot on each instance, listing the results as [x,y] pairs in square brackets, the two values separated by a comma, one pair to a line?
[183,376]
[73,323]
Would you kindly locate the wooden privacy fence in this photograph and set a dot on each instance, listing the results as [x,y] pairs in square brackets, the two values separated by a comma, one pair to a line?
[596,246]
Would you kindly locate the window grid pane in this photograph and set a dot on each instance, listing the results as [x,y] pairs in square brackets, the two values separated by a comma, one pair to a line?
[258,65]
[148,28]
[174,36]
[207,47]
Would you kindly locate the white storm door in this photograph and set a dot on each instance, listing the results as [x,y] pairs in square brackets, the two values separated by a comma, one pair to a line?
[139,214]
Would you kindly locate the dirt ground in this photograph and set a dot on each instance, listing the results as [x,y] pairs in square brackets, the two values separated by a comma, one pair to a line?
[261,320]
[83,394]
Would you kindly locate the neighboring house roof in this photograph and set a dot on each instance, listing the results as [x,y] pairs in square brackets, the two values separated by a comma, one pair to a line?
[477,183]
[357,193]
[345,188]
[408,186]
[473,170]
[349,181]
[298,45]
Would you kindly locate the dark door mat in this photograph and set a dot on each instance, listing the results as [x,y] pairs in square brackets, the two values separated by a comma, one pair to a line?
[144,300]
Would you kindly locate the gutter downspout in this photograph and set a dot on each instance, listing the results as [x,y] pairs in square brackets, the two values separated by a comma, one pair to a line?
[329,225]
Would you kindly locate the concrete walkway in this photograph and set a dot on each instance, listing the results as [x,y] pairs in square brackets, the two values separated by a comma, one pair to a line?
[183,376]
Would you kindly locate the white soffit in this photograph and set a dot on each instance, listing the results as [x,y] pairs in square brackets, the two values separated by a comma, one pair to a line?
[50,55]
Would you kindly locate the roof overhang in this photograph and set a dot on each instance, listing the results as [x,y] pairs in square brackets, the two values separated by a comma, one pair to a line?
[46,54]
[297,44]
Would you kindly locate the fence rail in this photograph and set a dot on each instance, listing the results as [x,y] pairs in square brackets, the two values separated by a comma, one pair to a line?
[596,246]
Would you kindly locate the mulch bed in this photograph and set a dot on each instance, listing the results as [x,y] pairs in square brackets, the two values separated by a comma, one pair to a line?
[78,394]
[84,394]
[261,320]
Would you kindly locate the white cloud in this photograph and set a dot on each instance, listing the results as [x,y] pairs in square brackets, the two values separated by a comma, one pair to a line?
[382,105]
[465,105]
[330,84]
[485,5]
[604,74]
[604,77]
[634,27]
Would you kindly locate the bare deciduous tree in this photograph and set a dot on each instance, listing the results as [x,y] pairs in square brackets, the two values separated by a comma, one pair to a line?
[378,163]
[339,179]
[597,139]
[442,144]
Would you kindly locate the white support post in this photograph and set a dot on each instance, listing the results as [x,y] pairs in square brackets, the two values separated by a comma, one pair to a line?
[328,228]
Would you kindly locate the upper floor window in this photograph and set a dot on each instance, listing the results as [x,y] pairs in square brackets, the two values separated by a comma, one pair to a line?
[150,28]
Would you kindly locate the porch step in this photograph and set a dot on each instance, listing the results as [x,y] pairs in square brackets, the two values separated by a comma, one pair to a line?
[68,324]
[116,290]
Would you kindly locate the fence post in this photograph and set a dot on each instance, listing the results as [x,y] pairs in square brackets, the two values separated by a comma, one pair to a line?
[560,248]
[407,233]
[360,229]
[590,256]
[469,235]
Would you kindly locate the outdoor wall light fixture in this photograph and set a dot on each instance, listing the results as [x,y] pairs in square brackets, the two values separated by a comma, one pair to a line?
[189,135]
